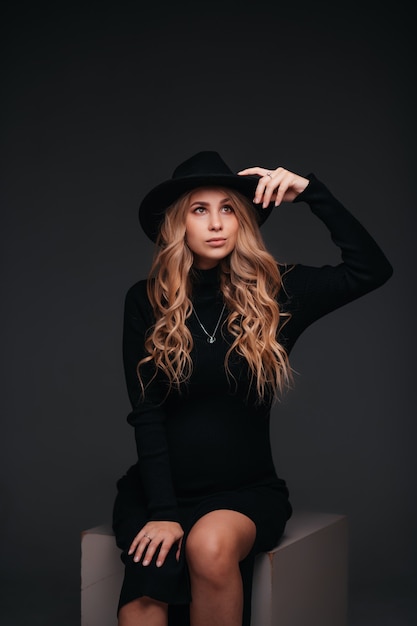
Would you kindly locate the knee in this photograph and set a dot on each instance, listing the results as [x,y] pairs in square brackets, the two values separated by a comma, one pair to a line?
[210,556]
[142,610]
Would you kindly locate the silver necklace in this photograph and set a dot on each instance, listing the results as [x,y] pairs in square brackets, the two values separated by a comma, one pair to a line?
[210,338]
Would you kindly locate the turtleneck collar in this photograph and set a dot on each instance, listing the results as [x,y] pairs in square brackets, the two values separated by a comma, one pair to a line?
[206,277]
[205,282]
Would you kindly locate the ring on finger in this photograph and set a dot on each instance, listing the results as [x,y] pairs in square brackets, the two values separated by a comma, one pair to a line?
[268,174]
[147,537]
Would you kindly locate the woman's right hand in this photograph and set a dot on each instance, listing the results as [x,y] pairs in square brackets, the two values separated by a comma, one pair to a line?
[153,535]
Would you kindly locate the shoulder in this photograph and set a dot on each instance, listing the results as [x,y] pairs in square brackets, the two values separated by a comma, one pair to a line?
[136,298]
[137,291]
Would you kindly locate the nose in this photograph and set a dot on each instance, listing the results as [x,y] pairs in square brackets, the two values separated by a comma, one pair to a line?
[215,222]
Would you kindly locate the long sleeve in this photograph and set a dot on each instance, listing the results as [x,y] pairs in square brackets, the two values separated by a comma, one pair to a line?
[312,292]
[148,414]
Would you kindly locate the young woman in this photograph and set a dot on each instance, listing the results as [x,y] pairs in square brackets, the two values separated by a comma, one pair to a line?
[206,344]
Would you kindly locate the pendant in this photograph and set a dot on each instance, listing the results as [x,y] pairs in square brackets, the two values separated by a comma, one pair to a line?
[211,339]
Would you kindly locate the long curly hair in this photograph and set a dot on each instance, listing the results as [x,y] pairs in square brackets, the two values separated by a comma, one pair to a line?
[249,281]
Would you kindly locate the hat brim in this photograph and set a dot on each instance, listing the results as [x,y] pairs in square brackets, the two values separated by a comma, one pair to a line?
[155,203]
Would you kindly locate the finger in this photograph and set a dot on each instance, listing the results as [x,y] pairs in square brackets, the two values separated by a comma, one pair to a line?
[150,552]
[139,537]
[270,188]
[141,549]
[163,551]
[134,544]
[272,185]
[260,171]
[283,188]
[260,190]
[276,187]
[265,189]
[132,547]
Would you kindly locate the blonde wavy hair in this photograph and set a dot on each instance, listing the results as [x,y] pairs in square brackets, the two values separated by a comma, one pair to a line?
[249,281]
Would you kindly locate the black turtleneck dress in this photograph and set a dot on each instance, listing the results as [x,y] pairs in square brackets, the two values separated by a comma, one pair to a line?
[207,447]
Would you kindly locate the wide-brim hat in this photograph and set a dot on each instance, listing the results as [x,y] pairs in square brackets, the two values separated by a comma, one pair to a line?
[204,169]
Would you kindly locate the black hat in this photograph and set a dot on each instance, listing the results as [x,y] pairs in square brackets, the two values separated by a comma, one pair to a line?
[201,170]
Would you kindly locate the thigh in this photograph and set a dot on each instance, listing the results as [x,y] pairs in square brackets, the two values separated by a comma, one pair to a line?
[267,507]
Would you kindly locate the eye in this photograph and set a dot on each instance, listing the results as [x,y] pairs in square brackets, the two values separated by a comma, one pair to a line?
[227,209]
[199,210]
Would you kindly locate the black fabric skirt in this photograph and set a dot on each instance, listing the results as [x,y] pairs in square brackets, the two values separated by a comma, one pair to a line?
[266,505]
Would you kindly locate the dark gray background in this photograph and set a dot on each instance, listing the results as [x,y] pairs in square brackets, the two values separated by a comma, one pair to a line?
[100,103]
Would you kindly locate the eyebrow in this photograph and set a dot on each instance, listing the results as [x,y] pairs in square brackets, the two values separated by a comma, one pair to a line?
[202,203]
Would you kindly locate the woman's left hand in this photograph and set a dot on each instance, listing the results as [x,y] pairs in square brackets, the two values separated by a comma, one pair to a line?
[277,186]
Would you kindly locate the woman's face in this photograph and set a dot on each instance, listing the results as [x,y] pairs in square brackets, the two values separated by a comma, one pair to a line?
[211,226]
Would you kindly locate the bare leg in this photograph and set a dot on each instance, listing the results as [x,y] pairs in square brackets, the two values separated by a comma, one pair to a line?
[215,546]
[143,612]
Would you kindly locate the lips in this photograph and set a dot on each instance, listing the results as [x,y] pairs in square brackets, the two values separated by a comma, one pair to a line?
[218,241]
